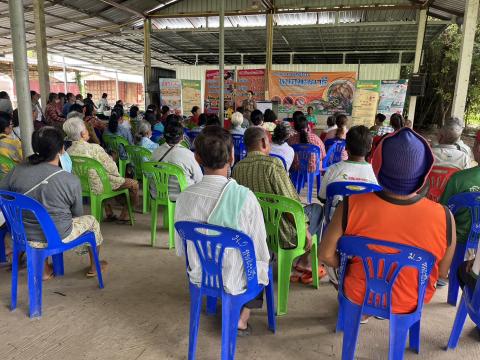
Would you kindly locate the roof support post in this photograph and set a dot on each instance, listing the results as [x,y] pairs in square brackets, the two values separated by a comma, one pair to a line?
[41,42]
[269,53]
[465,60]
[221,61]
[20,65]
[117,88]
[422,25]
[147,59]
[65,84]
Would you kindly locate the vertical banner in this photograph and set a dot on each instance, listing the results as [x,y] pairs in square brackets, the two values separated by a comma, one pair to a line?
[171,94]
[191,95]
[252,79]
[392,97]
[365,102]
[212,90]
[327,92]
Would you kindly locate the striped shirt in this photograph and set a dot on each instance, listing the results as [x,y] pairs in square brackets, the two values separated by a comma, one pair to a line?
[196,203]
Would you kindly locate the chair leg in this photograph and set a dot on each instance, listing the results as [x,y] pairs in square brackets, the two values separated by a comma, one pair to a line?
[414,337]
[35,263]
[319,181]
[58,266]
[211,305]
[93,208]
[283,283]
[130,210]
[310,181]
[453,285]
[3,255]
[153,223]
[145,196]
[98,267]
[14,285]
[314,255]
[398,338]
[352,315]
[458,324]
[195,309]
[230,317]
[171,227]
[270,302]
[165,217]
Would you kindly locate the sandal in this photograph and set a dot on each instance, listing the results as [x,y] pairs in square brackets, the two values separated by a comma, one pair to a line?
[111,218]
[244,332]
[93,273]
[307,277]
[122,221]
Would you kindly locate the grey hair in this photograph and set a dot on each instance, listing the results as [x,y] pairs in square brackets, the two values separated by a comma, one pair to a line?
[455,121]
[74,127]
[74,114]
[142,129]
[451,132]
[237,119]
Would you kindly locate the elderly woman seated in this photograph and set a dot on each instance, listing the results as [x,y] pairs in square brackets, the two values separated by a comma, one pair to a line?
[78,134]
[61,195]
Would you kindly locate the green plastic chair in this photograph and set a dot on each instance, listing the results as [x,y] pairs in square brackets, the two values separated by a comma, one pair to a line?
[113,142]
[81,167]
[137,155]
[159,173]
[273,207]
[6,165]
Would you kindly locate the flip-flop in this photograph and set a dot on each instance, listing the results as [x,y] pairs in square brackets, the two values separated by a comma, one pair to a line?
[244,332]
[91,274]
[111,218]
[122,221]
[307,277]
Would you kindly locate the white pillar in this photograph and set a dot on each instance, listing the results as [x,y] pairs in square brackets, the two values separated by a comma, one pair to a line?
[465,61]
[147,60]
[65,81]
[221,61]
[422,25]
[20,65]
[41,48]
[117,88]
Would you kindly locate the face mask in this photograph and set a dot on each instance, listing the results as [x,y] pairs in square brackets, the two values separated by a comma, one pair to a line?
[66,162]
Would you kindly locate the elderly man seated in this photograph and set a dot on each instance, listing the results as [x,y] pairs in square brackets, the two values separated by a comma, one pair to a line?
[460,144]
[218,200]
[78,134]
[447,153]
[262,173]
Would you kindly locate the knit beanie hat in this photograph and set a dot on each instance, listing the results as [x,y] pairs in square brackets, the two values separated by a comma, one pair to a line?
[402,162]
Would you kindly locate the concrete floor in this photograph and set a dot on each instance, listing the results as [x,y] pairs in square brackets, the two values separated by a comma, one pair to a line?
[143,313]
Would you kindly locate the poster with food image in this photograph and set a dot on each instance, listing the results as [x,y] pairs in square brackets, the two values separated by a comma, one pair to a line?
[191,95]
[365,102]
[212,90]
[171,94]
[392,97]
[250,79]
[326,92]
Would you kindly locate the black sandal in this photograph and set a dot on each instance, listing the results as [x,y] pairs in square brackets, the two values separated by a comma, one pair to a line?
[244,332]
[111,218]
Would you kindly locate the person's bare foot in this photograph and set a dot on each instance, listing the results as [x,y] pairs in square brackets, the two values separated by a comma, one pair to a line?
[92,272]
[47,272]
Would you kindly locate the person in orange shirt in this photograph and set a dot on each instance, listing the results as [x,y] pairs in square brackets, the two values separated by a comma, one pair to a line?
[397,214]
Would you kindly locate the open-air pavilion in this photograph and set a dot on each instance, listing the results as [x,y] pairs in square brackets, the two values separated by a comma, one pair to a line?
[143,312]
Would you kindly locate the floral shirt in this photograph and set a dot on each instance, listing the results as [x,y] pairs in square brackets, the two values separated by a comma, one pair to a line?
[96,152]
[53,116]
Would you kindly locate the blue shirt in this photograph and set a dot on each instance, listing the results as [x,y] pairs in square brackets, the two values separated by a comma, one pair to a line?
[66,109]
[148,144]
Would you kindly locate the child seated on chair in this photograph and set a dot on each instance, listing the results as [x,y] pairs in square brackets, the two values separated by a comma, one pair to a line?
[398,215]
[199,202]
[355,169]
[41,178]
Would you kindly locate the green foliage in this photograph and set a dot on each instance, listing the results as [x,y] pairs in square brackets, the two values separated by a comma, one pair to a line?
[440,65]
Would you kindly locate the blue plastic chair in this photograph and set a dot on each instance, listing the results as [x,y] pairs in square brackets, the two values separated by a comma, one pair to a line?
[469,304]
[238,146]
[192,134]
[14,206]
[3,254]
[156,135]
[206,237]
[281,159]
[346,188]
[334,153]
[301,175]
[381,271]
[467,201]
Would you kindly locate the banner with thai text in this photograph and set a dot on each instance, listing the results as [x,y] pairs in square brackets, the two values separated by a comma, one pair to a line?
[250,80]
[212,90]
[326,92]
[365,102]
[171,94]
[392,97]
[191,95]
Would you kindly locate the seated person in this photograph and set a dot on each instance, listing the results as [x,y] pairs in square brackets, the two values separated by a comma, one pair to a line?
[465,181]
[256,118]
[196,112]
[262,173]
[77,110]
[213,120]
[61,195]
[380,128]
[114,127]
[173,153]
[356,168]
[340,132]
[144,133]
[9,147]
[237,121]
[446,152]
[214,152]
[78,134]
[401,163]
[461,145]
[311,118]
[53,116]
[280,146]
[330,126]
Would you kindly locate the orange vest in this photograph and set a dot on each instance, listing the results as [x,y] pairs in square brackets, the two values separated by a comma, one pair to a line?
[417,222]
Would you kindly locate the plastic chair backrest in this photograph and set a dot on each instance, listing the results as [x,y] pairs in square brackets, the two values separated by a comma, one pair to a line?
[334,153]
[113,142]
[15,206]
[83,168]
[281,158]
[138,155]
[192,134]
[159,173]
[381,270]
[210,242]
[6,164]
[156,135]
[470,201]
[303,152]
[437,181]
[274,207]
[238,146]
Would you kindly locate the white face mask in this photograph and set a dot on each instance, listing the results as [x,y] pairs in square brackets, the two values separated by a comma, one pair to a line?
[66,162]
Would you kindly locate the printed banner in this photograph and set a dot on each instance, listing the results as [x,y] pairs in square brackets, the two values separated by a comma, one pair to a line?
[212,90]
[191,95]
[171,94]
[326,92]
[392,97]
[254,80]
[365,102]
